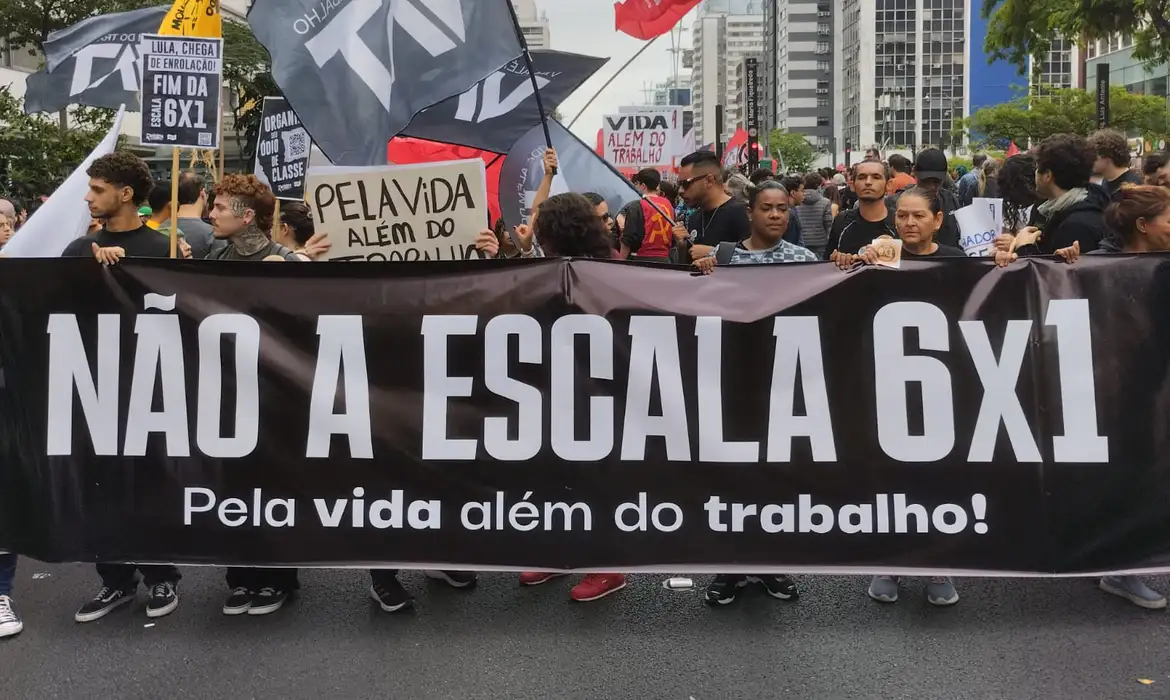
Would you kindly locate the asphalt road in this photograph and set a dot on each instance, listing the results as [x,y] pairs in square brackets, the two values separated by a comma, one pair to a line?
[1006,639]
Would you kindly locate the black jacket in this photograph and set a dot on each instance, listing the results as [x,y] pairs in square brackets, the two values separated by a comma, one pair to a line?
[1083,221]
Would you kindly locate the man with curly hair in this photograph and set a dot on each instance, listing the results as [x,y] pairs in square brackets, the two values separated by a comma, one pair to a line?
[242,215]
[1112,163]
[119,183]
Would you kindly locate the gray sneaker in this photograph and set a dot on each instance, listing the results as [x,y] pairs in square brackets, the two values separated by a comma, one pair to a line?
[941,591]
[1135,590]
[884,589]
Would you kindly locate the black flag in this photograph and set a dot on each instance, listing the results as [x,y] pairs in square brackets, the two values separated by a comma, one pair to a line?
[357,71]
[94,62]
[500,109]
[581,170]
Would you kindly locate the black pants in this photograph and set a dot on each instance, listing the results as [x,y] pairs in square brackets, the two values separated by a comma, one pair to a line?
[255,579]
[124,576]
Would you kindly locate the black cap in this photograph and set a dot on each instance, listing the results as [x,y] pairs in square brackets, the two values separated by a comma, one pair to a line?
[931,164]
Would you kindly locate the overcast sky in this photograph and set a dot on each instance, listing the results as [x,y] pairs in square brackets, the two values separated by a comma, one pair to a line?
[586,27]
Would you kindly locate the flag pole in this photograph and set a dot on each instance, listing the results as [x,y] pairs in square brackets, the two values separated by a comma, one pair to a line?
[531,73]
[175,203]
[611,79]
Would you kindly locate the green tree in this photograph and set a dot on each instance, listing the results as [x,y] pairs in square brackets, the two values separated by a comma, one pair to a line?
[38,156]
[1019,29]
[792,151]
[46,150]
[247,69]
[1049,111]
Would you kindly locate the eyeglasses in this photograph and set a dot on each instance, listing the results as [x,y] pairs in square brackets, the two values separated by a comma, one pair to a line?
[683,184]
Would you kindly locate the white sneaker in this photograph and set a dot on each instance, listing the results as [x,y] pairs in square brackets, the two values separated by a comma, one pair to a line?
[10,624]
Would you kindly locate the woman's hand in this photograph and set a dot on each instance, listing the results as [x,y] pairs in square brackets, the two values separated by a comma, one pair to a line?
[1070,254]
[1003,258]
[108,256]
[550,162]
[705,264]
[867,255]
[487,243]
[1028,235]
[317,246]
[1004,242]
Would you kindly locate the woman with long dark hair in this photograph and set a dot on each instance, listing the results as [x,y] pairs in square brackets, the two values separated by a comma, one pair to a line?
[1017,186]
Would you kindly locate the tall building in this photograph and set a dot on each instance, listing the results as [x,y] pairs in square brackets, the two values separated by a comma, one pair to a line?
[912,69]
[725,32]
[1137,77]
[1063,67]
[798,68]
[533,24]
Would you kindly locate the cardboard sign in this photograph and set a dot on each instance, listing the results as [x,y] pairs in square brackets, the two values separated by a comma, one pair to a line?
[642,139]
[978,228]
[401,213]
[282,150]
[995,204]
[182,80]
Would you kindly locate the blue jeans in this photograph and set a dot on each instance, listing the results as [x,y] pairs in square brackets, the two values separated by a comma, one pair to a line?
[7,573]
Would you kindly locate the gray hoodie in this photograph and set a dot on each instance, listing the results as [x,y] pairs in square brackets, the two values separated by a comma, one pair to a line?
[816,220]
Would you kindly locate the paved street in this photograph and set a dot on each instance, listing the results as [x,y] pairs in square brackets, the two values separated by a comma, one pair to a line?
[1006,639]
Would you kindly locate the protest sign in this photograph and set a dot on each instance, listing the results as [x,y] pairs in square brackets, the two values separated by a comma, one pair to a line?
[977,229]
[641,140]
[995,204]
[282,150]
[429,211]
[182,81]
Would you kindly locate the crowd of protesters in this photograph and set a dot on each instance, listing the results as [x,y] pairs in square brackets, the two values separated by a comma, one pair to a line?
[1067,197]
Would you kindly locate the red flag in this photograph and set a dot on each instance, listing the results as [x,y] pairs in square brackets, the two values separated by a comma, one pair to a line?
[1013,150]
[404,150]
[646,19]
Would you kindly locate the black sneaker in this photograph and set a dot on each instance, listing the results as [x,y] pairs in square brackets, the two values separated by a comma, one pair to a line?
[106,601]
[238,601]
[390,595]
[164,598]
[455,579]
[268,600]
[777,586]
[722,590]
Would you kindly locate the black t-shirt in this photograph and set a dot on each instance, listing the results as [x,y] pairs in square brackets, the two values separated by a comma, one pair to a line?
[943,251]
[1131,177]
[142,242]
[851,231]
[726,223]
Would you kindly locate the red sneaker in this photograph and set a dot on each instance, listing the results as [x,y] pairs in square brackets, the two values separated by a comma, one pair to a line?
[535,578]
[596,586]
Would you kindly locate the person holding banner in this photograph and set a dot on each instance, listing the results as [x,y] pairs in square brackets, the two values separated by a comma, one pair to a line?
[718,217]
[242,215]
[118,184]
[10,622]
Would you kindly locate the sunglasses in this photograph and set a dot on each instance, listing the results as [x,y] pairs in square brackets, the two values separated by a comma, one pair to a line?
[683,184]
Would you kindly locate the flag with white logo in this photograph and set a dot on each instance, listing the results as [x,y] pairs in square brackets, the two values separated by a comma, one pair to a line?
[581,170]
[500,109]
[357,71]
[94,63]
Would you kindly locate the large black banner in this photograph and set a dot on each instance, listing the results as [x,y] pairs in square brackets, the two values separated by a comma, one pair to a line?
[586,414]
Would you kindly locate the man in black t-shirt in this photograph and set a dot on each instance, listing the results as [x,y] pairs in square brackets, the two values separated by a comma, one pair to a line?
[855,228]
[118,184]
[719,217]
[1112,163]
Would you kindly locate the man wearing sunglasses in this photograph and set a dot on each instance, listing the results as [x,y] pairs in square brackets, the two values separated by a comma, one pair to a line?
[719,217]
